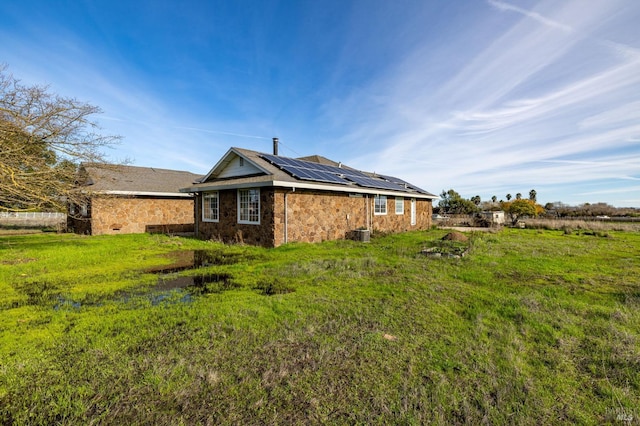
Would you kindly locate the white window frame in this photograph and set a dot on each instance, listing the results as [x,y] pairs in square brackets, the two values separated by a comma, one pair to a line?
[214,211]
[399,205]
[380,205]
[248,214]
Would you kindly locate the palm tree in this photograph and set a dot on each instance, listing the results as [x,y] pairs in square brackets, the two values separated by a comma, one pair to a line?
[532,195]
[518,196]
[494,199]
[508,197]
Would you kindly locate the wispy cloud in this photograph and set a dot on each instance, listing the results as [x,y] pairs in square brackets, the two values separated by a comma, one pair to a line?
[513,116]
[218,132]
[533,15]
[495,97]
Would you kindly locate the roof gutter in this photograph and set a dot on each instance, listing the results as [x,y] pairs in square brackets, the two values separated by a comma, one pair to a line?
[147,193]
[302,185]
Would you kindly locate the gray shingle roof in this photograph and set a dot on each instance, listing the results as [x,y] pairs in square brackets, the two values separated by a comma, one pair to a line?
[134,180]
[271,175]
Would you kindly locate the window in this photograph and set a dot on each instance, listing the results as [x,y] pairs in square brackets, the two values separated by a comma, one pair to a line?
[249,206]
[210,207]
[399,205]
[380,204]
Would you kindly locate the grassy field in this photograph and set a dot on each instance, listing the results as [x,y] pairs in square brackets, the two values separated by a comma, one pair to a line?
[530,327]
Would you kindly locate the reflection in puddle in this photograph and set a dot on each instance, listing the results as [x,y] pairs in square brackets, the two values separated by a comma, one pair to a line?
[171,288]
[197,284]
[192,259]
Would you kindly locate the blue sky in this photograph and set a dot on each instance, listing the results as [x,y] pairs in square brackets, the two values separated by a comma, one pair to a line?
[485,97]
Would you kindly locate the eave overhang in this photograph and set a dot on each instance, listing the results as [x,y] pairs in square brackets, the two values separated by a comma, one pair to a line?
[349,189]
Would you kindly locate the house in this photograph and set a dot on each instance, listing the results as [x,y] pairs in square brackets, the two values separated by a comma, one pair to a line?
[269,200]
[127,199]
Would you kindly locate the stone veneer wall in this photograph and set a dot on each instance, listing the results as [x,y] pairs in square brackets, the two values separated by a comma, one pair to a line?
[136,215]
[315,216]
[392,222]
[228,230]
[312,216]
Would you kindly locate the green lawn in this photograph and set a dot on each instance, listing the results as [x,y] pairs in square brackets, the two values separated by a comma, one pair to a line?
[530,327]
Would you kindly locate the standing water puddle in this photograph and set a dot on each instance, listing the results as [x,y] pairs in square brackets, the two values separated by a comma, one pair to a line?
[193,259]
[171,287]
[194,285]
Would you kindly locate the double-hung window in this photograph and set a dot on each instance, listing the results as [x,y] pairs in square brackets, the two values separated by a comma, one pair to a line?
[249,206]
[380,204]
[399,205]
[210,207]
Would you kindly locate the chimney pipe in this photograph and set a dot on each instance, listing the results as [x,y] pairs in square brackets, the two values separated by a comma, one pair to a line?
[275,146]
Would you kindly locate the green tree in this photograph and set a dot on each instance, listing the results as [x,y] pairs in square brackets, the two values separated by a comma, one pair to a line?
[453,203]
[520,208]
[43,138]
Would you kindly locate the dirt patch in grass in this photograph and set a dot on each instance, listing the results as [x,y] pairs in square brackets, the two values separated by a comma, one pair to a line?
[454,244]
[455,236]
[16,261]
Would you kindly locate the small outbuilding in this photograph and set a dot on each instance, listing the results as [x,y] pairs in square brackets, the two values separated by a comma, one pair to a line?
[268,200]
[128,199]
[493,217]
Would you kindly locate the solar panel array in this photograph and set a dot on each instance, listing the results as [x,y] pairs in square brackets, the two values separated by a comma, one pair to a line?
[377,183]
[308,170]
[315,175]
[404,182]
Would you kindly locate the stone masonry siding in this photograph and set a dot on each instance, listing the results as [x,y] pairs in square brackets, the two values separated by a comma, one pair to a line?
[228,230]
[315,216]
[135,215]
[392,222]
[311,216]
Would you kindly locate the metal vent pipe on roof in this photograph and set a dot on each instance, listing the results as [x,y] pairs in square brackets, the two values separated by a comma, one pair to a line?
[275,146]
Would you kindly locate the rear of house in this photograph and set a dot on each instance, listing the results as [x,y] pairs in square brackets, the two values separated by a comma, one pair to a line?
[269,200]
[128,199]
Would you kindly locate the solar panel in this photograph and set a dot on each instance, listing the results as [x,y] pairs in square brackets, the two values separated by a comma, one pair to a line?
[376,183]
[315,175]
[308,170]
[403,182]
[310,165]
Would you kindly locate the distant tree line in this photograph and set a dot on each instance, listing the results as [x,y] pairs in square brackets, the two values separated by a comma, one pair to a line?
[451,202]
[559,209]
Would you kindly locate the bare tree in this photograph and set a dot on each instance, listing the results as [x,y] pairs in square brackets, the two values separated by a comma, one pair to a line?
[43,138]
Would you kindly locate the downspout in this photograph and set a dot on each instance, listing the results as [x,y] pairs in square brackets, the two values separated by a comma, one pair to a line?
[286,216]
[196,202]
[368,215]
